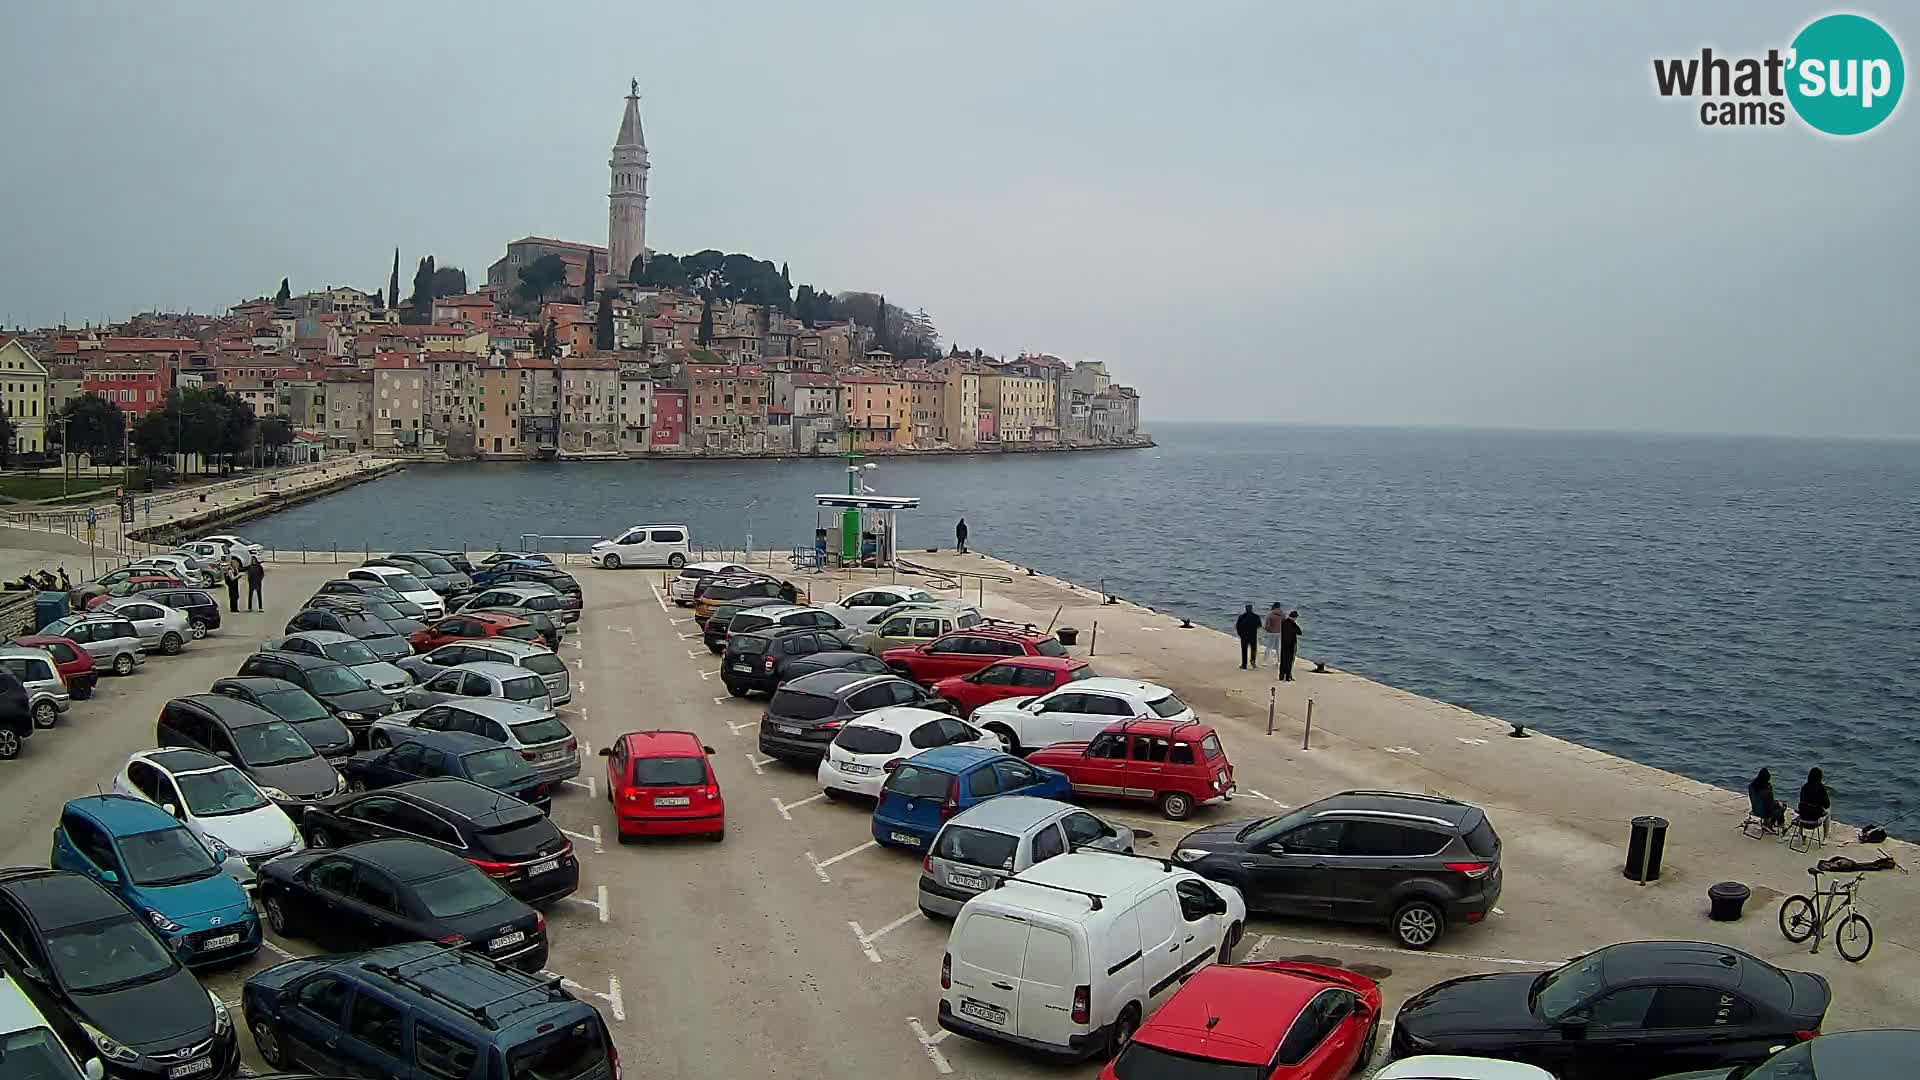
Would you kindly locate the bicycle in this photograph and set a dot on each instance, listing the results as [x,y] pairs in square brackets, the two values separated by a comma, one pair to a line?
[1803,917]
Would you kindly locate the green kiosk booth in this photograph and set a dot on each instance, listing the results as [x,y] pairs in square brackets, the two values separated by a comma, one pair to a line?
[858,530]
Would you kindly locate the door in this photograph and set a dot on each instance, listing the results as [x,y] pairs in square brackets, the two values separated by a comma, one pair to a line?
[1048,976]
[327,903]
[1146,765]
[1162,951]
[377,909]
[1377,857]
[1204,927]
[400,764]
[81,845]
[1018,778]
[1050,718]
[663,544]
[1103,770]
[439,1055]
[1290,873]
[371,818]
[312,1025]
[146,619]
[989,954]
[1097,713]
[1084,831]
[375,1045]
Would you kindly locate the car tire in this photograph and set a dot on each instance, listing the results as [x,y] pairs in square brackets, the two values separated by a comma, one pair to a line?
[931,914]
[9,744]
[716,649]
[318,838]
[622,837]
[1367,1048]
[1227,942]
[676,560]
[267,1040]
[123,664]
[1008,740]
[1176,805]
[170,644]
[611,562]
[379,740]
[83,692]
[1418,924]
[198,628]
[278,920]
[718,835]
[1122,1031]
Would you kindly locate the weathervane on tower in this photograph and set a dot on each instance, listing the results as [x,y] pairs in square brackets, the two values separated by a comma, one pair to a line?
[633,87]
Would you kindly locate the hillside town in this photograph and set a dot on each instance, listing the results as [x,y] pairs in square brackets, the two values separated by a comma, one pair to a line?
[574,350]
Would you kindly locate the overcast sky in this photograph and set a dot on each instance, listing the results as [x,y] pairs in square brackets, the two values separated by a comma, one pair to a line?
[1351,213]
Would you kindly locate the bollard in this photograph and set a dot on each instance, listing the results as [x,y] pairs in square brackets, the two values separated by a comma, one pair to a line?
[1272,693]
[1095,643]
[1056,617]
[1306,735]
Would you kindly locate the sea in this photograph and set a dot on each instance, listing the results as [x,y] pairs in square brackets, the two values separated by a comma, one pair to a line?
[1703,604]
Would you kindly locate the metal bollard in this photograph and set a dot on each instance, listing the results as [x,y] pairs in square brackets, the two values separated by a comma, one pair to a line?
[1095,643]
[1272,693]
[1306,735]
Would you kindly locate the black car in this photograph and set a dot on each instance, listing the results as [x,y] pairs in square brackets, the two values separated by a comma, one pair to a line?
[714,632]
[549,628]
[558,580]
[758,660]
[327,735]
[202,610]
[384,610]
[837,660]
[16,718]
[422,754]
[440,575]
[269,750]
[1871,1054]
[386,642]
[506,839]
[806,714]
[457,558]
[1630,1011]
[85,958]
[1415,863]
[385,892]
[345,694]
[362,587]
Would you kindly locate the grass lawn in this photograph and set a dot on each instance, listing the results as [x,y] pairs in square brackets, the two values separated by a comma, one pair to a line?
[31,486]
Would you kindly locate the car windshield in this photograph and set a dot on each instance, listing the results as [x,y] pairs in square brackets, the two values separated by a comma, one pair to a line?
[462,892]
[169,856]
[865,739]
[349,652]
[1559,990]
[115,952]
[497,768]
[277,743]
[435,564]
[404,582]
[1168,706]
[1796,1063]
[380,609]
[579,1050]
[1211,744]
[361,624]
[1049,647]
[222,791]
[1140,1061]
[976,847]
[545,729]
[335,680]
[323,730]
[916,782]
[523,688]
[34,1054]
[543,663]
[669,771]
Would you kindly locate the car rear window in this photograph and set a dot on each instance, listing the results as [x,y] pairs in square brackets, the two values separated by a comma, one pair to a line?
[746,644]
[524,688]
[1171,705]
[1050,647]
[1141,1061]
[404,582]
[521,633]
[743,624]
[799,706]
[1482,840]
[976,847]
[1212,746]
[543,663]
[496,767]
[669,771]
[578,1051]
[919,782]
[545,729]
[864,739]
[462,892]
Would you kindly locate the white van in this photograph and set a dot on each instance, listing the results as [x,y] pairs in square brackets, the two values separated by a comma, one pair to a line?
[1066,958]
[643,545]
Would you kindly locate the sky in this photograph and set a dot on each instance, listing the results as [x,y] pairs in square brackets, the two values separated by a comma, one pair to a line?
[1354,213]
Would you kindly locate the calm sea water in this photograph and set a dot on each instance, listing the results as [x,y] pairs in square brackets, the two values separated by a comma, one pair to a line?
[1702,604]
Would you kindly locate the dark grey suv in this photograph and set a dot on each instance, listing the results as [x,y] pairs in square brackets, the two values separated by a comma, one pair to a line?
[806,713]
[1417,863]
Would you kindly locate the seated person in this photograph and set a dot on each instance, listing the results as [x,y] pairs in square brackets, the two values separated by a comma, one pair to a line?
[1815,799]
[1768,809]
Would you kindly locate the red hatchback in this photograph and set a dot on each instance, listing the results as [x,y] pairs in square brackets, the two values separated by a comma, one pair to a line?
[469,625]
[139,584]
[1178,764]
[1279,1020]
[74,663]
[964,652]
[661,784]
[1018,676]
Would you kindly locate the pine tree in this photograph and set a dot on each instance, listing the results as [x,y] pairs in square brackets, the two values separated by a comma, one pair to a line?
[786,291]
[553,339]
[284,294]
[393,282]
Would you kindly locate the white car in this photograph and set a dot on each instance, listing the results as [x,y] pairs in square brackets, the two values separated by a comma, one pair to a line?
[857,609]
[1077,712]
[236,547]
[180,564]
[410,588]
[1451,1067]
[681,590]
[858,758]
[643,545]
[160,627]
[215,801]
[32,1050]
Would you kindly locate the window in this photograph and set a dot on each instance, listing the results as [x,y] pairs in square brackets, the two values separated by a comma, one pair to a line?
[1015,775]
[1083,828]
[374,891]
[953,731]
[90,841]
[1382,839]
[1314,1024]
[1196,900]
[1182,754]
[1696,1007]
[1033,678]
[1047,843]
[1622,1010]
[926,628]
[377,1024]
[1315,838]
[326,998]
[903,693]
[1108,746]
[926,736]
[440,1054]
[1104,705]
[1149,748]
[982,783]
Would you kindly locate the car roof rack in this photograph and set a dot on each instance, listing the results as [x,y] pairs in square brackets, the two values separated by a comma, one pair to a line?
[1450,800]
[1093,896]
[397,973]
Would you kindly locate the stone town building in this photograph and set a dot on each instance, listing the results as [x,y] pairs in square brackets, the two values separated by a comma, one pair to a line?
[818,405]
[959,417]
[452,401]
[23,394]
[399,402]
[589,404]
[727,406]
[927,393]
[539,403]
[504,275]
[1018,402]
[636,406]
[138,384]
[349,411]
[496,431]
[879,412]
[667,426]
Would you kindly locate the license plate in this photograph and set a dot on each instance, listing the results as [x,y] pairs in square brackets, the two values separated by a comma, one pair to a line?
[904,838]
[743,667]
[982,1011]
[856,769]
[672,800]
[221,942]
[551,754]
[541,868]
[191,1068]
[505,940]
[785,730]
[967,881]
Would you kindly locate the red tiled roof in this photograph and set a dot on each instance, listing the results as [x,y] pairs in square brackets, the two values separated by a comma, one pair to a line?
[139,344]
[395,362]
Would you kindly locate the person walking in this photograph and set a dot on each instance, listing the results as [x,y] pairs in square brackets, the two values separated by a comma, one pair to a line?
[1271,626]
[1289,642]
[233,583]
[256,573]
[960,536]
[1248,627]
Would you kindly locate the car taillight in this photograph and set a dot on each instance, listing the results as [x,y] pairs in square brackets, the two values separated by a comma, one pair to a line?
[631,794]
[894,764]
[1806,1036]
[529,755]
[946,971]
[768,667]
[453,939]
[613,1059]
[492,869]
[1474,870]
[539,923]
[713,791]
[1082,997]
[832,725]
[926,865]
[948,808]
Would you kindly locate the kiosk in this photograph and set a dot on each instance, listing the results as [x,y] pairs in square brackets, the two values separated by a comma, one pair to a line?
[858,530]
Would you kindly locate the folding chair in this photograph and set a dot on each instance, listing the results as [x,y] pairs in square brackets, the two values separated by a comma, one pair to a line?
[1755,823]
[1803,833]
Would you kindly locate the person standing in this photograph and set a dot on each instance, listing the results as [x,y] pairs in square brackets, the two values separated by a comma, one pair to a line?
[1248,627]
[233,583]
[1271,626]
[256,573]
[1289,642]
[960,536]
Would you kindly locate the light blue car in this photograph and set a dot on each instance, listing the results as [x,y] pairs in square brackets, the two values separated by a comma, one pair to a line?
[154,863]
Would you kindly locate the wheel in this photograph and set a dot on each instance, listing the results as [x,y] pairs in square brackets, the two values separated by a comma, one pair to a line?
[1366,1048]
[123,664]
[611,562]
[622,837]
[1228,942]
[1796,918]
[82,691]
[928,912]
[832,794]
[319,839]
[45,715]
[716,649]
[277,918]
[676,560]
[197,628]
[718,835]
[170,644]
[1008,740]
[356,785]
[1854,937]
[736,690]
[959,710]
[1122,1031]
[1176,805]
[267,1040]
[1418,924]
[379,740]
[9,744]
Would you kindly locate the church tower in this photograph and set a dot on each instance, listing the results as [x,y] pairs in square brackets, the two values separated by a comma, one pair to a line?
[627,197]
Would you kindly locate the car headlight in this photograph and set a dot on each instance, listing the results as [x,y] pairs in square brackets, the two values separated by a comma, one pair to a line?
[1191,854]
[352,717]
[339,781]
[109,1049]
[162,923]
[221,1019]
[276,794]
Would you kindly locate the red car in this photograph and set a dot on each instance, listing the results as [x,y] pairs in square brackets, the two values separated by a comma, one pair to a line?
[1019,676]
[1279,1020]
[964,652]
[661,784]
[1178,764]
[73,662]
[472,624]
[139,584]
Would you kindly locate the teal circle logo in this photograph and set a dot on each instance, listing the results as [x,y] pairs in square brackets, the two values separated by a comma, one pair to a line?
[1846,74]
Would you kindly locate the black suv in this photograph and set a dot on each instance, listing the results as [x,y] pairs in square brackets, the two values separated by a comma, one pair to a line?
[1414,862]
[327,735]
[511,842]
[759,660]
[16,719]
[808,712]
[345,694]
[272,752]
[715,631]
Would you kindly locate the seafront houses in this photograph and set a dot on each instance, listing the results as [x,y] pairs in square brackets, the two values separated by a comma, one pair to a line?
[496,428]
[727,407]
[399,402]
[636,407]
[24,397]
[589,404]
[879,412]
[349,410]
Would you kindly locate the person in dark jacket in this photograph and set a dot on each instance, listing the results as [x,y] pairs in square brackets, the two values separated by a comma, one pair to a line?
[255,575]
[1289,641]
[1815,799]
[1766,807]
[960,536]
[233,584]
[1248,627]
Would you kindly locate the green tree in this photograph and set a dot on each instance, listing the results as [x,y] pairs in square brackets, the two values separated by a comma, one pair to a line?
[447,281]
[880,335]
[603,323]
[786,291]
[275,433]
[7,432]
[422,299]
[586,286]
[706,318]
[154,434]
[393,282]
[94,426]
[552,350]
[284,294]
[539,277]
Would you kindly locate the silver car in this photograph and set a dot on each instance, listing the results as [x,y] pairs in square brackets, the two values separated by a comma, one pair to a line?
[539,737]
[161,628]
[110,639]
[502,650]
[348,650]
[46,691]
[521,596]
[991,841]
[484,679]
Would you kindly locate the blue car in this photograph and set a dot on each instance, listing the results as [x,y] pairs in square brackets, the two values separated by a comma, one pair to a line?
[146,858]
[422,754]
[490,575]
[921,794]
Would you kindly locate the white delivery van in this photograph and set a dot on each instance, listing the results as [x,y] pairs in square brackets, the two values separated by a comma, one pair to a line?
[643,545]
[1067,957]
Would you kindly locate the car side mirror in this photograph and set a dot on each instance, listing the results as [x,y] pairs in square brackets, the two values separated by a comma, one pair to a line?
[108,877]
[1573,1025]
[707,749]
[224,755]
[219,855]
[94,1070]
[171,809]
[607,751]
[1360,1008]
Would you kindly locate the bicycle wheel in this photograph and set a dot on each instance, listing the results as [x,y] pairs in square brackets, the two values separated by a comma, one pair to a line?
[1854,937]
[1796,919]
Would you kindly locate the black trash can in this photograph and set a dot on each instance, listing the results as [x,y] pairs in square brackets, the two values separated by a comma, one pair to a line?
[1726,900]
[1645,845]
[1068,635]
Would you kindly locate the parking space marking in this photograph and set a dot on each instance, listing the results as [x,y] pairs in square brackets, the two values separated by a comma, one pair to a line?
[1269,798]
[591,838]
[691,637]
[719,701]
[866,940]
[615,1004]
[784,807]
[587,783]
[820,868]
[735,728]
[758,762]
[661,600]
[693,654]
[599,905]
[678,622]
[621,629]
[1263,940]
[930,1043]
[267,943]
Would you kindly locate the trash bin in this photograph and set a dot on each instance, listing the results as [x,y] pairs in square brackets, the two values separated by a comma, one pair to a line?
[1068,635]
[1726,900]
[48,607]
[1645,845]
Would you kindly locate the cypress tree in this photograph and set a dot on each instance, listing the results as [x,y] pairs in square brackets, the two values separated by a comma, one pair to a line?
[393,282]
[603,323]
[284,294]
[586,288]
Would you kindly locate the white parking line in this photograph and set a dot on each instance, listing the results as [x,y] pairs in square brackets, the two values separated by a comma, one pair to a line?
[866,940]
[1261,942]
[278,951]
[586,748]
[679,622]
[720,701]
[691,637]
[784,807]
[930,1043]
[820,868]
[693,654]
[599,905]
[708,674]
[757,762]
[1264,795]
[621,629]
[662,600]
[591,838]
[587,783]
[735,728]
[615,1004]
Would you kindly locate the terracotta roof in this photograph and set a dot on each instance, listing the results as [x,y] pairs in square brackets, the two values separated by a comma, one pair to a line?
[139,344]
[395,362]
[590,363]
[871,379]
[803,379]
